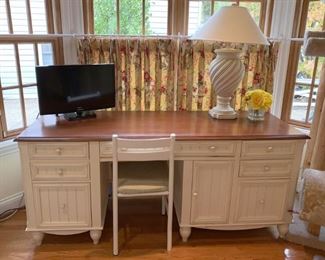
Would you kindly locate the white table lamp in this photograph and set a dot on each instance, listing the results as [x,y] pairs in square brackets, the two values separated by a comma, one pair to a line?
[235,25]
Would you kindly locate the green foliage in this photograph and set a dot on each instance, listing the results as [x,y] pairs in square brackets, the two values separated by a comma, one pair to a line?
[130,14]
[254,9]
[105,17]
[205,11]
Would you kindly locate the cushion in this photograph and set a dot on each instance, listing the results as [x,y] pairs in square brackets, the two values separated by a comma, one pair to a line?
[142,177]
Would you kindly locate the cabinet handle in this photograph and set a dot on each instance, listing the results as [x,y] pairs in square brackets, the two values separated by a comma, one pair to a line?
[58,151]
[195,194]
[266,168]
[212,147]
[60,172]
[262,201]
[269,149]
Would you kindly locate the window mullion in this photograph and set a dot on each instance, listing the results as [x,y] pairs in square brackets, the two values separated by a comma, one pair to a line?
[143,16]
[29,17]
[20,82]
[212,7]
[118,16]
[311,89]
[9,18]
[36,54]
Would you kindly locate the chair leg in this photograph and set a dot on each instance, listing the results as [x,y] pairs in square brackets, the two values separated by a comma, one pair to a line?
[163,205]
[169,225]
[115,224]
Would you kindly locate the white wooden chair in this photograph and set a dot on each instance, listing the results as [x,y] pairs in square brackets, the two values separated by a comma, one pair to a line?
[140,169]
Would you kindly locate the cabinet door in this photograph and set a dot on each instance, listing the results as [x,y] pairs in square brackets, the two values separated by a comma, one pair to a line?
[211,191]
[60,205]
[261,201]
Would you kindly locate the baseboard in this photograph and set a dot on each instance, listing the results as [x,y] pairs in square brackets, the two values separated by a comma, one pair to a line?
[13,201]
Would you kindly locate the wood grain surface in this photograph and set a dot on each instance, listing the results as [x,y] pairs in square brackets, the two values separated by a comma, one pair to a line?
[186,126]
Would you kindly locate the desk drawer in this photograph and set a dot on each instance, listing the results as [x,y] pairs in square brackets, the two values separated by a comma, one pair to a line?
[58,150]
[268,149]
[105,149]
[59,170]
[265,168]
[206,148]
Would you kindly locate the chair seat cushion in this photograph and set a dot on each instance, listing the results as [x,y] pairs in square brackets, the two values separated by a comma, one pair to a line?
[142,177]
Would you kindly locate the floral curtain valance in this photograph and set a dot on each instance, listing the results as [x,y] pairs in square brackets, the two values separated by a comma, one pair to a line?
[166,74]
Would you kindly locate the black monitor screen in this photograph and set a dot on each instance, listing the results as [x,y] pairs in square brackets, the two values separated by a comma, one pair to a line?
[74,88]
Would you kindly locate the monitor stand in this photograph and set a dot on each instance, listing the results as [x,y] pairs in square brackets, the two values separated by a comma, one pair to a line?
[79,115]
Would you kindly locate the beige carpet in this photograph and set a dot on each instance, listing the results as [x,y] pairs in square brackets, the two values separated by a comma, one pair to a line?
[298,233]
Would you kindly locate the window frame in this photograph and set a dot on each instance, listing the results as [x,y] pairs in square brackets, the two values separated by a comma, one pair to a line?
[52,11]
[178,14]
[299,27]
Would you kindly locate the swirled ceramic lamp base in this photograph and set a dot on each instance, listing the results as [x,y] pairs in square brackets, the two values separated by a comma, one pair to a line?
[226,72]
[223,110]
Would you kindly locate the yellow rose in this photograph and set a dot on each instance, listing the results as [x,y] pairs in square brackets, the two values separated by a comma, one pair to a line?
[256,100]
[267,101]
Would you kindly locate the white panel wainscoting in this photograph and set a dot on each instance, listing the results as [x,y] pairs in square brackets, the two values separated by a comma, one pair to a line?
[11,191]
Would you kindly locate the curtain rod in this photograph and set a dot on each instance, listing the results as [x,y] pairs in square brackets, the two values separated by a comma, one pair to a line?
[74,35]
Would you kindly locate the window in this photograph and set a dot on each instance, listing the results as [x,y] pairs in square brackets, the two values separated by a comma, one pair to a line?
[160,17]
[304,71]
[131,17]
[200,11]
[24,43]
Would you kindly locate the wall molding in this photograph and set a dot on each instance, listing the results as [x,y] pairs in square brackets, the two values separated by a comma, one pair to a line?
[13,201]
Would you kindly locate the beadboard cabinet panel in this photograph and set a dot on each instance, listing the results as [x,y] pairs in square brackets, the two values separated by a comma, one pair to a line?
[211,191]
[261,201]
[60,205]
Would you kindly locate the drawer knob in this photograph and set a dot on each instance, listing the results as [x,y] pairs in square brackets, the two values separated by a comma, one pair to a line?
[266,168]
[58,151]
[212,148]
[262,201]
[195,194]
[269,149]
[60,172]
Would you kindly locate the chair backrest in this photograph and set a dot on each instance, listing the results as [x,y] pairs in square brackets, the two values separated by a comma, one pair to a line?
[159,149]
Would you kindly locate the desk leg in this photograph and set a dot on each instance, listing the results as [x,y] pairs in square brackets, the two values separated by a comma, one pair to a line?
[37,237]
[95,235]
[283,230]
[185,232]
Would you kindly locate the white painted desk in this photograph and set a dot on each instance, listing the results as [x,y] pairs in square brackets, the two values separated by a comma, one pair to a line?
[230,174]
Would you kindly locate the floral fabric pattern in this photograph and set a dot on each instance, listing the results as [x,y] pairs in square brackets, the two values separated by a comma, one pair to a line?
[166,74]
[313,204]
[144,70]
[193,84]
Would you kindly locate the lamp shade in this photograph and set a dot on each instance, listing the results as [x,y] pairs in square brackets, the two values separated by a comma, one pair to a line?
[231,24]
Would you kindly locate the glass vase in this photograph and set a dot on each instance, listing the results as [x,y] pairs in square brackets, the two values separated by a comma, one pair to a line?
[256,114]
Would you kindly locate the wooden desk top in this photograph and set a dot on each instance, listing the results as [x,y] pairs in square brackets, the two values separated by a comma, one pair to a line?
[186,126]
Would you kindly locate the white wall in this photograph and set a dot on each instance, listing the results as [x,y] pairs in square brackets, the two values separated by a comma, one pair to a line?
[10,176]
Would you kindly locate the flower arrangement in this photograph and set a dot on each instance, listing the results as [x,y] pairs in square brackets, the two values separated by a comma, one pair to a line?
[258,99]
